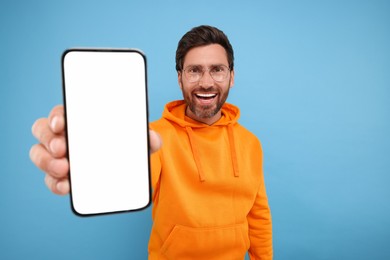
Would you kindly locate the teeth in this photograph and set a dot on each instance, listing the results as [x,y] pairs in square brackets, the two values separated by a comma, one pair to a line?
[206,95]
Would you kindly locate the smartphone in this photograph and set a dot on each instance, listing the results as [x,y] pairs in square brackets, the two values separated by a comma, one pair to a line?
[106,115]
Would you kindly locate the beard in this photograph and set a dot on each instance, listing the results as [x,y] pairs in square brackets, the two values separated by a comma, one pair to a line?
[205,111]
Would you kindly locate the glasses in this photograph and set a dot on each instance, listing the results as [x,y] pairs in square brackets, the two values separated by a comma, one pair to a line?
[194,73]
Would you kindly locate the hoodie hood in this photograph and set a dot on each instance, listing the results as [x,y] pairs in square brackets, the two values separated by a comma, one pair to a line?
[175,112]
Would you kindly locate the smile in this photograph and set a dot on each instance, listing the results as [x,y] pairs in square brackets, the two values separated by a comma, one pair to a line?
[206,96]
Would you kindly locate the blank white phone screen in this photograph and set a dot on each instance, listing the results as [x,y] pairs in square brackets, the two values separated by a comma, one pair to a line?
[105,100]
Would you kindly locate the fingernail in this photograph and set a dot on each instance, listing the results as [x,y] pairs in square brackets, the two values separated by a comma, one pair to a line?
[53,123]
[60,186]
[53,145]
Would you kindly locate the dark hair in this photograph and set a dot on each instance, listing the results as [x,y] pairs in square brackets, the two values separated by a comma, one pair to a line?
[201,36]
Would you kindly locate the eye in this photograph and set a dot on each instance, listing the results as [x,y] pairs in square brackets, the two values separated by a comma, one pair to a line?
[194,70]
[218,69]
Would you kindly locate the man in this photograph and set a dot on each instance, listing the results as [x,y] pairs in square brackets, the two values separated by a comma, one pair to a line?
[209,198]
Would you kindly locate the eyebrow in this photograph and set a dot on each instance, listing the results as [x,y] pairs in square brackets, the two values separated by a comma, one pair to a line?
[212,65]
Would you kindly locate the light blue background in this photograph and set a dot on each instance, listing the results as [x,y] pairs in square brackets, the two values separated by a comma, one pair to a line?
[312,82]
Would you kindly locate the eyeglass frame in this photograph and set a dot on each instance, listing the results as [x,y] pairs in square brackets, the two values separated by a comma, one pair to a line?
[204,70]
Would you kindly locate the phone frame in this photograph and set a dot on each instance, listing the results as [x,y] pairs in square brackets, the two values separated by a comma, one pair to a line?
[116,50]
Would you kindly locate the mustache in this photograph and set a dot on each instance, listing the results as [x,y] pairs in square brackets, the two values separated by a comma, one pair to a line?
[206,90]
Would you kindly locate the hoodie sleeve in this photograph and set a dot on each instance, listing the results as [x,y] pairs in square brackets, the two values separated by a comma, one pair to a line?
[155,163]
[155,166]
[260,227]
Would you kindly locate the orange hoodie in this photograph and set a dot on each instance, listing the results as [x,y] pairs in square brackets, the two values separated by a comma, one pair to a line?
[209,198]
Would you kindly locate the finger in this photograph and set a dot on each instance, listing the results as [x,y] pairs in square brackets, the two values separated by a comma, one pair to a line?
[57,186]
[57,168]
[57,120]
[55,144]
[41,131]
[155,141]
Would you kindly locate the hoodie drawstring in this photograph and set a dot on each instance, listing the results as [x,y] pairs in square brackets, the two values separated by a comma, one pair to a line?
[233,153]
[195,152]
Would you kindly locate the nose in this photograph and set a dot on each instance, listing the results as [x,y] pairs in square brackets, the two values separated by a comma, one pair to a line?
[206,80]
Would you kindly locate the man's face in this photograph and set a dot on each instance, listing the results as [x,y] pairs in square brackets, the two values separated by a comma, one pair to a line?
[205,97]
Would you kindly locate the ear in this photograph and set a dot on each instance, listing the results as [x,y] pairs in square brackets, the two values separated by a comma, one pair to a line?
[231,78]
[179,77]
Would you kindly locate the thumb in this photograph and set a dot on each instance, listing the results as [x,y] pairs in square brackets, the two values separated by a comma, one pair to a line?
[155,141]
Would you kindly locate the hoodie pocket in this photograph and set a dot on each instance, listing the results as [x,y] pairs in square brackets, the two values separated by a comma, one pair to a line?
[226,242]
